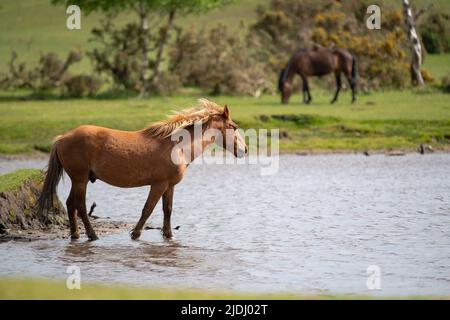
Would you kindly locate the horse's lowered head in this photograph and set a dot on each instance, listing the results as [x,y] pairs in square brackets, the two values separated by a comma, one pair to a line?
[284,87]
[231,140]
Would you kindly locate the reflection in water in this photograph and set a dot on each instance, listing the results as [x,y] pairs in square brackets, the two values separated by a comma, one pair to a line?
[314,227]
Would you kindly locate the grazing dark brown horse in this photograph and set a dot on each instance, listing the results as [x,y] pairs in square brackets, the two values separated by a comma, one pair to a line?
[318,62]
[134,159]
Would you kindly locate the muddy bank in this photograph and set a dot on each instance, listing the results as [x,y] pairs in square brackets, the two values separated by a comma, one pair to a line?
[102,227]
[19,192]
[20,219]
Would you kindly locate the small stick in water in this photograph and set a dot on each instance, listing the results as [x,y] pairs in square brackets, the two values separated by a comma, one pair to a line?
[92,209]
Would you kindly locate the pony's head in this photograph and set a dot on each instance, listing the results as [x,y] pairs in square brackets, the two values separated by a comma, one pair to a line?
[232,140]
[216,124]
[284,86]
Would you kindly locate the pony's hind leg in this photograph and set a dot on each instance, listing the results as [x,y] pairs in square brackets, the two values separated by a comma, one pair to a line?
[352,82]
[72,212]
[79,194]
[338,87]
[156,191]
[353,86]
[306,93]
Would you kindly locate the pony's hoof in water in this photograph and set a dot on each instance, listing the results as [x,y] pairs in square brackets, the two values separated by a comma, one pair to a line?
[75,236]
[167,235]
[92,237]
[135,235]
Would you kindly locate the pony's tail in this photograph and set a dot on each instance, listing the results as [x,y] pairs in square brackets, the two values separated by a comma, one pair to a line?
[52,177]
[354,70]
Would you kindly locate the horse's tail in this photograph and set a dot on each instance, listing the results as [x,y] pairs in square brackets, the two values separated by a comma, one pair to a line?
[354,70]
[53,175]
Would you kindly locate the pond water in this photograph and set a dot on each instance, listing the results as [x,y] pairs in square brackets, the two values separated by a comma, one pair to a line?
[314,227]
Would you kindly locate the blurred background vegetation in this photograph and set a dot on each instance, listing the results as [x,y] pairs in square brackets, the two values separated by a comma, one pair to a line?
[53,79]
[222,47]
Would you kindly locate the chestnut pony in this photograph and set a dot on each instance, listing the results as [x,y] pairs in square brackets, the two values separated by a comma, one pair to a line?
[134,159]
[318,62]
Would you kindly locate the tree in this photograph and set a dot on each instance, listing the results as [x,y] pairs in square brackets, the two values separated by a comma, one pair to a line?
[416,47]
[148,11]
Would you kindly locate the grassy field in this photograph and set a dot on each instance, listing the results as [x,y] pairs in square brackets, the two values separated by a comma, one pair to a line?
[34,26]
[378,121]
[44,289]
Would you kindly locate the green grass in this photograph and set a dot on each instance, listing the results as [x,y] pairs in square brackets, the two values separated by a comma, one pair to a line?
[438,65]
[379,121]
[14,180]
[34,26]
[30,289]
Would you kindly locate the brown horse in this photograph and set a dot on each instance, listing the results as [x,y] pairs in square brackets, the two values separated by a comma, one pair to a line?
[134,159]
[318,62]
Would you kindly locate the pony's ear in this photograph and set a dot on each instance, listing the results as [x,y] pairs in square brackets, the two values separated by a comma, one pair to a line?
[226,112]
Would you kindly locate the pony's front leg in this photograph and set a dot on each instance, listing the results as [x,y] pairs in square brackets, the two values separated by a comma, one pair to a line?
[167,208]
[156,191]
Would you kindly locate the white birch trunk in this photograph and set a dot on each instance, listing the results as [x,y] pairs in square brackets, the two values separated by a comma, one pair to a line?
[416,47]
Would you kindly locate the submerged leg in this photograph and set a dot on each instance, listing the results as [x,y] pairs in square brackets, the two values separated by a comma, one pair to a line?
[79,194]
[157,190]
[338,87]
[167,208]
[72,212]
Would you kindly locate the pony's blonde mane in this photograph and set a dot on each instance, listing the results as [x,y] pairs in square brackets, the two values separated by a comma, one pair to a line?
[184,118]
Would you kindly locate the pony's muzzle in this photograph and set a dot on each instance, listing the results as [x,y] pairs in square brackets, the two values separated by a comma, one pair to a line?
[242,152]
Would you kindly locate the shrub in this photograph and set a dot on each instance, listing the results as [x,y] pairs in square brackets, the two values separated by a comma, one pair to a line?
[445,84]
[218,61]
[291,24]
[435,32]
[50,73]
[80,85]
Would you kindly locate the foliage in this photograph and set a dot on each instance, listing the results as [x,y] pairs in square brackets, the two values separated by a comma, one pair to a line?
[117,6]
[82,84]
[230,67]
[291,24]
[435,32]
[50,73]
[118,55]
[133,55]
[445,84]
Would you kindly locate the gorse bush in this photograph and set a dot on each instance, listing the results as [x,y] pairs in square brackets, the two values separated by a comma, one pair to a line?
[218,61]
[80,85]
[291,24]
[435,32]
[118,57]
[445,84]
[51,73]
